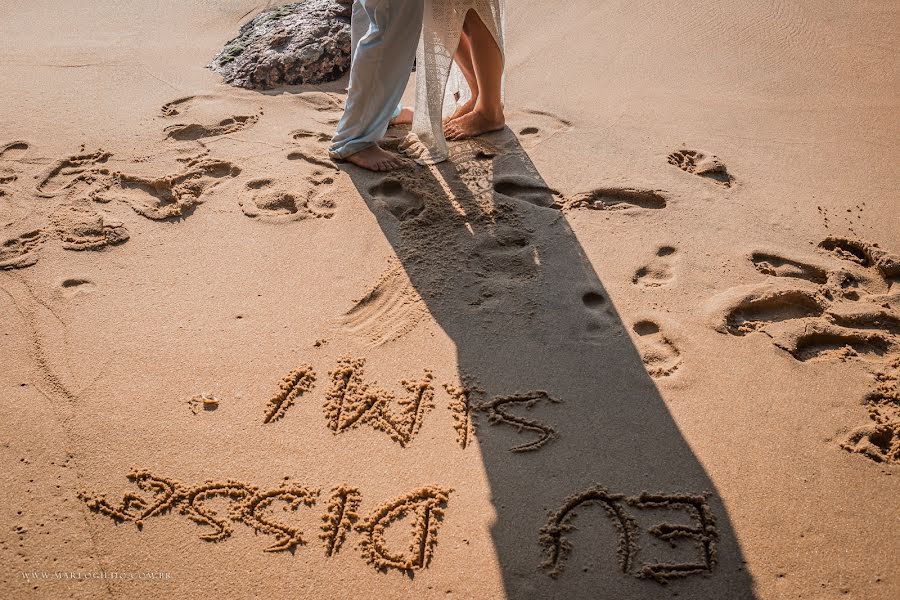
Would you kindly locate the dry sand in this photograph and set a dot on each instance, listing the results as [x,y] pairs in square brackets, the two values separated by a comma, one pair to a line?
[642,336]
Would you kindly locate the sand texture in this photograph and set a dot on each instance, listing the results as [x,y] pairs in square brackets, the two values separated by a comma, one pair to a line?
[642,343]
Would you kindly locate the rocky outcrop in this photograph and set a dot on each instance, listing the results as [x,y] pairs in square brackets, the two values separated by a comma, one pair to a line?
[302,42]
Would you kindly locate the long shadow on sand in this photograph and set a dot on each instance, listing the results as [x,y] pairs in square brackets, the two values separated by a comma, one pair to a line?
[597,494]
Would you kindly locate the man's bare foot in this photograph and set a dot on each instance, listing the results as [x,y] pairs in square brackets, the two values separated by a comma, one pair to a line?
[375,158]
[462,110]
[475,123]
[404,118]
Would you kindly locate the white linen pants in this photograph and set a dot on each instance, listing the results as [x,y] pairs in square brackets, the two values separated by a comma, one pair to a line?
[384,35]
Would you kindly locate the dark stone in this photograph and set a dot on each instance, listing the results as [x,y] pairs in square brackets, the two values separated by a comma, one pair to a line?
[303,42]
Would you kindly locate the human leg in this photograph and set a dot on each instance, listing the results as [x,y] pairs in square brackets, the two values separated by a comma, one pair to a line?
[463,59]
[385,34]
[487,64]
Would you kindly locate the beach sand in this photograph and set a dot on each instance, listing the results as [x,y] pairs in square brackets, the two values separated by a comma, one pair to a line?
[643,343]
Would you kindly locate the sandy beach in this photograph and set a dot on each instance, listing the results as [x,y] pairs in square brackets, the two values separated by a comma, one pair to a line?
[642,343]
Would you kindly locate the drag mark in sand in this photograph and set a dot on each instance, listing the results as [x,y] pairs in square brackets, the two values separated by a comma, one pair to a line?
[389,310]
[702,532]
[292,386]
[497,414]
[422,508]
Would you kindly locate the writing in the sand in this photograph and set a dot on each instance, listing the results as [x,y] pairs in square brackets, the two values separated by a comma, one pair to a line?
[351,401]
[701,531]
[254,507]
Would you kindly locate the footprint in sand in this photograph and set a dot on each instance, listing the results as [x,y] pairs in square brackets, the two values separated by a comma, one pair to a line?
[865,254]
[703,165]
[397,198]
[600,313]
[389,310]
[314,155]
[10,152]
[880,439]
[320,101]
[68,172]
[180,105]
[533,127]
[76,286]
[617,198]
[14,150]
[312,147]
[658,272]
[21,251]
[303,135]
[659,353]
[837,308]
[170,196]
[777,265]
[327,107]
[526,189]
[80,227]
[769,304]
[197,131]
[275,202]
[508,254]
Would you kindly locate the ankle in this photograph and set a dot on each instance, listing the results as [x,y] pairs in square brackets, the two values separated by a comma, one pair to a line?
[493,113]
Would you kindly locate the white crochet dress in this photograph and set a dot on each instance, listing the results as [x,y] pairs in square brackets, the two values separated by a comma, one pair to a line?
[440,86]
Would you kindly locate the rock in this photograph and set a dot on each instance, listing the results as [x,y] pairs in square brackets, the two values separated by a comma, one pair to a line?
[304,42]
[203,402]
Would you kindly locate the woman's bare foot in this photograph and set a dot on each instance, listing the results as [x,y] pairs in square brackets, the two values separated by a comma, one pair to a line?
[461,111]
[404,118]
[375,158]
[473,124]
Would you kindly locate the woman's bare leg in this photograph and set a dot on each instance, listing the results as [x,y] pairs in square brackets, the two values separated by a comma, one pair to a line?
[487,63]
[463,58]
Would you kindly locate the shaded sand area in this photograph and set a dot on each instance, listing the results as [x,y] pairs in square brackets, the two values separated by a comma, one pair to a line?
[644,343]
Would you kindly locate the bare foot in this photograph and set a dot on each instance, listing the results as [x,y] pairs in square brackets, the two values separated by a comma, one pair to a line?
[404,118]
[462,110]
[375,158]
[475,123]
